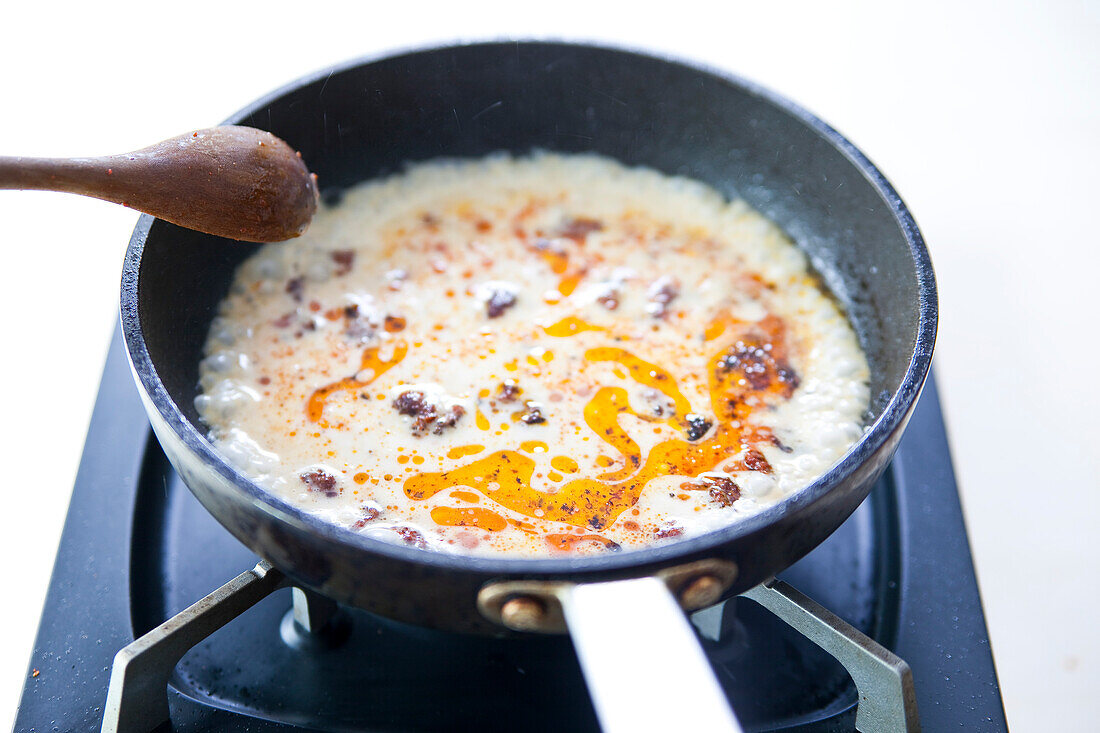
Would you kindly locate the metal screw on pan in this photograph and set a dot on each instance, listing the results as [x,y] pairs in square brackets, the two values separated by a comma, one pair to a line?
[523,613]
[701,592]
[524,605]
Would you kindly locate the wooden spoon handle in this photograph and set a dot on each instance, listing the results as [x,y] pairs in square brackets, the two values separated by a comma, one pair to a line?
[84,176]
[235,182]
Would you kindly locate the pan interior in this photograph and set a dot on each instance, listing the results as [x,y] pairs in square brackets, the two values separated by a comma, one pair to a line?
[369,120]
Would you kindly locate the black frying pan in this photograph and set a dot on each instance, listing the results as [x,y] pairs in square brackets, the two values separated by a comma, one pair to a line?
[368,119]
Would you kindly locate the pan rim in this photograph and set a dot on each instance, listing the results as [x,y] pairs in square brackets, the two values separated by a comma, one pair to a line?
[892,417]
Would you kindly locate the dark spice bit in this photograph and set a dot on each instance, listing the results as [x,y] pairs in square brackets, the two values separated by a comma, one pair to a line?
[357,327]
[755,461]
[448,419]
[409,403]
[294,287]
[697,426]
[284,320]
[668,531]
[413,404]
[723,491]
[749,359]
[319,480]
[781,445]
[757,363]
[412,537]
[596,521]
[344,259]
[499,301]
[786,375]
[425,415]
[609,298]
[369,515]
[579,228]
[531,413]
[393,323]
[662,292]
[508,391]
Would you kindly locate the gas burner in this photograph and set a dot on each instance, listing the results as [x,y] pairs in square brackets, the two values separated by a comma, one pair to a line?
[138,549]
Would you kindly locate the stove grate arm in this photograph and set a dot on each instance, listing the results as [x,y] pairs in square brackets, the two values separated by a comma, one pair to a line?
[887,698]
[137,699]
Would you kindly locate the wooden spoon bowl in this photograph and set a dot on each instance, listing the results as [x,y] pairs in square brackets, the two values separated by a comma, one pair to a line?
[235,182]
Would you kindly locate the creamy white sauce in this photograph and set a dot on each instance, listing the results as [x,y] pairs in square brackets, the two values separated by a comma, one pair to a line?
[648,263]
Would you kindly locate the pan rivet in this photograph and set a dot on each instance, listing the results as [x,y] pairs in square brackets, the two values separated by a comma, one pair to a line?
[522,613]
[701,592]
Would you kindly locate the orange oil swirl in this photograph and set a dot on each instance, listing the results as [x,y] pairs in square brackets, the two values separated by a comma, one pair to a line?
[570,326]
[750,372]
[372,360]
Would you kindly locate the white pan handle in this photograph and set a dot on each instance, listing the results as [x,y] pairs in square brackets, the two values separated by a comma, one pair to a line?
[641,659]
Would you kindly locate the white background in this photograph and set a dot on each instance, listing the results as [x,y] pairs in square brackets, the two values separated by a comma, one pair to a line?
[985,117]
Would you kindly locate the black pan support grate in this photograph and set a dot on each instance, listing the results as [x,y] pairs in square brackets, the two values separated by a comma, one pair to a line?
[138,549]
[137,701]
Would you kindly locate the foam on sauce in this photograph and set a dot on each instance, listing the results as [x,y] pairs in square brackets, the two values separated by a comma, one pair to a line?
[533,356]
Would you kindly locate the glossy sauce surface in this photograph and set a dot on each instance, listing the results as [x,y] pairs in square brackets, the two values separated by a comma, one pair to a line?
[532,356]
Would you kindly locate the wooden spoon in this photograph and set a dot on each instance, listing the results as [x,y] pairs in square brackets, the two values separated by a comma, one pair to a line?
[235,182]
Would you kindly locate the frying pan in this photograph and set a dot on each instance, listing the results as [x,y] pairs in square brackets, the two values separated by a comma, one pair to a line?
[369,118]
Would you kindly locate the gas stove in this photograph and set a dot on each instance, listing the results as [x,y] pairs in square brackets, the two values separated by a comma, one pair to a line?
[138,549]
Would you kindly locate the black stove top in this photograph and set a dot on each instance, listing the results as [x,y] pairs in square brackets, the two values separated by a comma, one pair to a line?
[138,548]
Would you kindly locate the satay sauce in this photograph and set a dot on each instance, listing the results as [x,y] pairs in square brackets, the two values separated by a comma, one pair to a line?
[532,356]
